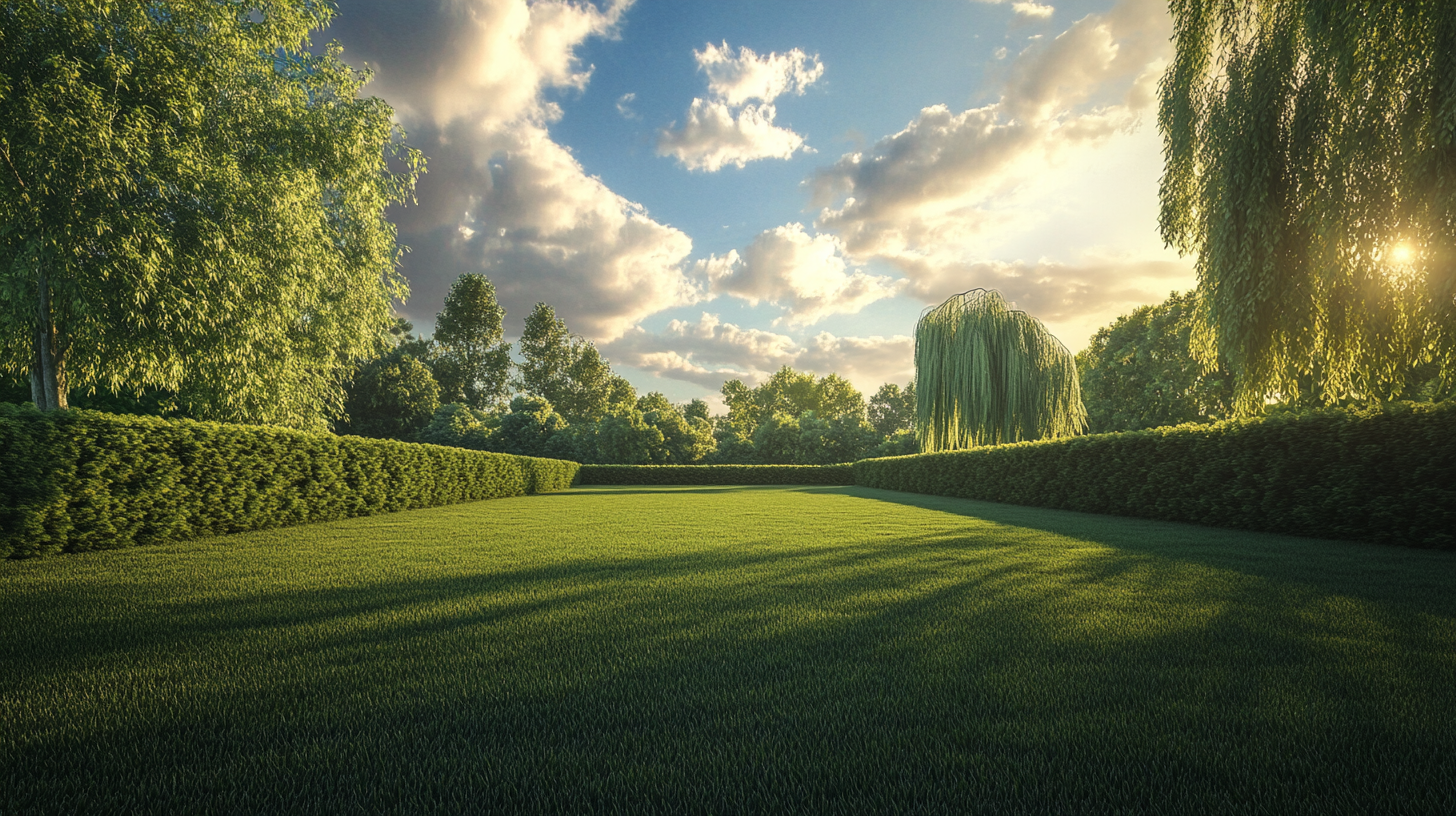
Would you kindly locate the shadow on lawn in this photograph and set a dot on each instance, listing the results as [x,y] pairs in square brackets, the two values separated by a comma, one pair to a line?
[976,662]
[1420,579]
[637,490]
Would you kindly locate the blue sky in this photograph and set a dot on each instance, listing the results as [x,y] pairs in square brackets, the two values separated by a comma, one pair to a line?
[711,190]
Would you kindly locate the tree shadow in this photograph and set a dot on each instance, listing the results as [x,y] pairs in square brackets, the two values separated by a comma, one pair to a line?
[1413,577]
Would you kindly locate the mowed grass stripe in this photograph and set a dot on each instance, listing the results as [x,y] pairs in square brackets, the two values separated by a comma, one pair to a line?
[731,650]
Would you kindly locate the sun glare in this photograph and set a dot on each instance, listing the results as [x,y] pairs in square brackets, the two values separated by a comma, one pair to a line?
[1401,253]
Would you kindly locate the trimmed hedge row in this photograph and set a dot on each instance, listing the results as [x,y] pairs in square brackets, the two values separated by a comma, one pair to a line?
[715,475]
[72,481]
[1386,475]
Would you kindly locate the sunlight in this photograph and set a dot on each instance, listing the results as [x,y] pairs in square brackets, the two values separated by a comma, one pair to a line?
[1401,253]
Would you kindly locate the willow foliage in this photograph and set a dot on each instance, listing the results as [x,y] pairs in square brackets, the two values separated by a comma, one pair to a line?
[986,374]
[1310,151]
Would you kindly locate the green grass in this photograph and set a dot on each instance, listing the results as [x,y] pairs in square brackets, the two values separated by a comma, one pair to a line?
[731,650]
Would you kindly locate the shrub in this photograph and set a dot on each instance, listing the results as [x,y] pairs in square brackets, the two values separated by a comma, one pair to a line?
[715,475]
[1385,475]
[82,480]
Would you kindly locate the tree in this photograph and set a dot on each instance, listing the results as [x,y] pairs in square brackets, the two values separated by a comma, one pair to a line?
[468,330]
[685,440]
[836,397]
[391,397]
[697,409]
[1139,372]
[892,410]
[527,429]
[456,425]
[988,374]
[624,437]
[777,441]
[786,392]
[192,201]
[567,370]
[1311,168]
[843,438]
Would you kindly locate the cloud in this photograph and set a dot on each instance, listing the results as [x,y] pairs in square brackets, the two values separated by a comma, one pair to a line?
[868,362]
[713,136]
[624,106]
[737,80]
[467,78]
[805,274]
[483,60]
[708,352]
[1033,10]
[1073,300]
[927,198]
[725,128]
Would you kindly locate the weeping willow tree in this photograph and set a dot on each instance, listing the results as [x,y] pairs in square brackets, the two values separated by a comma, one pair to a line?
[1310,151]
[986,374]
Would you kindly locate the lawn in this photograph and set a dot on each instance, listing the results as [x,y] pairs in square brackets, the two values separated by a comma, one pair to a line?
[731,650]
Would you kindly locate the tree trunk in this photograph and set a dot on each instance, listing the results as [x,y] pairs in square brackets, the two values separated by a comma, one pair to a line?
[48,369]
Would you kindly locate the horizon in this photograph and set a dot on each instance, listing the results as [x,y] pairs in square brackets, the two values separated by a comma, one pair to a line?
[711,195]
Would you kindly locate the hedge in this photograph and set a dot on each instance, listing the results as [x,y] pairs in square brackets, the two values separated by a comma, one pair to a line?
[1387,475]
[73,481]
[715,475]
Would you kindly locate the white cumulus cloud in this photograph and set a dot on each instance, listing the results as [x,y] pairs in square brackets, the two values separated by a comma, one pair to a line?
[742,78]
[467,79]
[807,275]
[927,198]
[1035,11]
[735,123]
[714,136]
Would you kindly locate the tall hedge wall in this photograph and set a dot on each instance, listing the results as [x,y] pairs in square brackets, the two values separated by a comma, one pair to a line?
[82,480]
[715,475]
[1385,476]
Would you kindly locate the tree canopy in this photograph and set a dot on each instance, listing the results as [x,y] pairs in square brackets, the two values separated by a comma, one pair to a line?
[1310,151]
[191,200]
[469,332]
[567,370]
[1139,372]
[986,374]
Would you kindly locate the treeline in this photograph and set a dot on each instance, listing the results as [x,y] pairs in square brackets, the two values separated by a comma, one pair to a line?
[1140,372]
[456,389]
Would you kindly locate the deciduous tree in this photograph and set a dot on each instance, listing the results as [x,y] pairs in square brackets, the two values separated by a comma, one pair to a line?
[469,330]
[191,200]
[1139,372]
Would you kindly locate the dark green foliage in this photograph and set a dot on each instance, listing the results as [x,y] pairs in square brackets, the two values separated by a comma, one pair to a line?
[526,429]
[390,397]
[625,437]
[844,438]
[1385,475]
[79,480]
[901,443]
[457,426]
[1139,372]
[715,475]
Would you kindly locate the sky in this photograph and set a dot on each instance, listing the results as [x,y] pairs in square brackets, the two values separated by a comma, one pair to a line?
[710,191]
